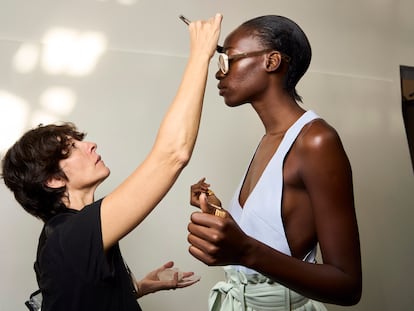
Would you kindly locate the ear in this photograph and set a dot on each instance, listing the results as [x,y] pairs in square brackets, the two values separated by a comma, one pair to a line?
[55,182]
[273,61]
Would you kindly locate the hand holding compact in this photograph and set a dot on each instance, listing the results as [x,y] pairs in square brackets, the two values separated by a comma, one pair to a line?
[216,241]
[202,187]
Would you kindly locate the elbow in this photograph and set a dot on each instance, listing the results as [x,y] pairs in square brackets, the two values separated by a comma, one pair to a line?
[352,297]
[355,296]
[182,158]
[355,292]
[183,161]
[174,156]
[345,292]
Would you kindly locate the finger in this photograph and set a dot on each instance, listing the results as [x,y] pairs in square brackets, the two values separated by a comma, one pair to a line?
[203,244]
[206,220]
[200,255]
[200,222]
[175,278]
[193,232]
[187,274]
[218,19]
[204,187]
[168,264]
[198,183]
[188,282]
[165,266]
[204,204]
[195,204]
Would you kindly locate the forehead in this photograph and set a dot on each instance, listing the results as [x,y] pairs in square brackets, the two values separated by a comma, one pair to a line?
[242,40]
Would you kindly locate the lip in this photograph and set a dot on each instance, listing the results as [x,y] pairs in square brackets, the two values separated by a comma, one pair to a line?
[98,160]
[221,88]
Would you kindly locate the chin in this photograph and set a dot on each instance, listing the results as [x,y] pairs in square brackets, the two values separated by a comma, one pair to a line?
[228,102]
[105,175]
[102,179]
[232,104]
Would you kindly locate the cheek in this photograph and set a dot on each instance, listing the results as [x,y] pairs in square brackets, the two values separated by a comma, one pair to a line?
[235,94]
[242,88]
[71,167]
[70,172]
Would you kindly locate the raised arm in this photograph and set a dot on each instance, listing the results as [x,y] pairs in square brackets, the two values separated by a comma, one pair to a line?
[128,205]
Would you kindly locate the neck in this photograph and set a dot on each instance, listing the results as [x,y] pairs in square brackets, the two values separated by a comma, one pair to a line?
[277,111]
[276,134]
[77,200]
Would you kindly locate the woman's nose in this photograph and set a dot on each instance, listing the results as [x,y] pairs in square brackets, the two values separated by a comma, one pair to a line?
[91,146]
[219,74]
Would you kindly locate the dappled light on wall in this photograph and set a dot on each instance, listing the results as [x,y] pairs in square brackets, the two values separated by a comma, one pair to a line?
[26,58]
[58,100]
[71,52]
[64,52]
[14,112]
[56,103]
[61,52]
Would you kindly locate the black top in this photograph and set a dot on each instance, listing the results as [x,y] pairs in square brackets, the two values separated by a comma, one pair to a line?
[72,270]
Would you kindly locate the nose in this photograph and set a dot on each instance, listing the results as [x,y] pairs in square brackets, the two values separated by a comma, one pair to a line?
[91,146]
[219,74]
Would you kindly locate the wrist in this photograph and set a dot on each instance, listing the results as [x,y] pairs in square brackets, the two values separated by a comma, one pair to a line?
[249,248]
[138,290]
[200,60]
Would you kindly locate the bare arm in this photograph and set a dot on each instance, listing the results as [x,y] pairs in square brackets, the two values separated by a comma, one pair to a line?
[326,174]
[136,197]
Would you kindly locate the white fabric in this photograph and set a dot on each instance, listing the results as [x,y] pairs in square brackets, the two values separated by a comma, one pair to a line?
[261,218]
[261,215]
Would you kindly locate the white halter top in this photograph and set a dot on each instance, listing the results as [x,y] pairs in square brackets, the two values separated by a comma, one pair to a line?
[261,216]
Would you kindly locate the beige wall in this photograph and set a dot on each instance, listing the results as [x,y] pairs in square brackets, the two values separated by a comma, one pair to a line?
[353,83]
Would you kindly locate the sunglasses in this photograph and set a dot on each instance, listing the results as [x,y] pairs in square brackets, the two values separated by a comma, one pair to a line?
[224,59]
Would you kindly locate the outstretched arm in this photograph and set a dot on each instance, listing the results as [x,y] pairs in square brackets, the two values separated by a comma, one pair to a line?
[135,198]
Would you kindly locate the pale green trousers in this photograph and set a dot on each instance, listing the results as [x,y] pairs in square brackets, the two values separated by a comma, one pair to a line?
[255,292]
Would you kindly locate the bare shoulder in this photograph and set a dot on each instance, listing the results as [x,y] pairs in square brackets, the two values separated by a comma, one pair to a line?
[318,135]
[319,148]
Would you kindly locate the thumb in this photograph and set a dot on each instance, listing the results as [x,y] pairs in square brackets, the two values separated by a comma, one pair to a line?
[204,204]
[218,18]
